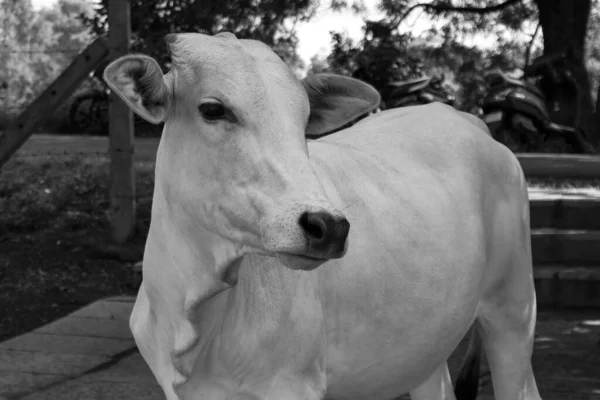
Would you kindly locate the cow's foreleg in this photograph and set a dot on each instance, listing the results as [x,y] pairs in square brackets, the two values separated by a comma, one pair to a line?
[437,387]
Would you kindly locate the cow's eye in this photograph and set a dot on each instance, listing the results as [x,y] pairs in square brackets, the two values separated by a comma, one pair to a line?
[212,111]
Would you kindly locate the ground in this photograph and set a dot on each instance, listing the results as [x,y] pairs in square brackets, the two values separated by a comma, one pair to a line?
[566,357]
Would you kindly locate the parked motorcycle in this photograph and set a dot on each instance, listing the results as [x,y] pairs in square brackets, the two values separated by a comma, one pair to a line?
[89,109]
[89,112]
[427,89]
[517,110]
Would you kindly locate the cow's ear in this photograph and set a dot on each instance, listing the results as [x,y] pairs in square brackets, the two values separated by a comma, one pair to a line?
[139,81]
[337,100]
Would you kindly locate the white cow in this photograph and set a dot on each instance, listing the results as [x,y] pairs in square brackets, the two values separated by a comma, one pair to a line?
[437,239]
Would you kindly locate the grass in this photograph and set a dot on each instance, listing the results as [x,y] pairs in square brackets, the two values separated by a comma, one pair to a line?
[56,253]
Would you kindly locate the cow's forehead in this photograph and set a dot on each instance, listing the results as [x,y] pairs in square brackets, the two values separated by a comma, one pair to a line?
[235,65]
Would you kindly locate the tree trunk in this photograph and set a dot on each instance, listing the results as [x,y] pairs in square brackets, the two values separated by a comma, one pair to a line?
[596,127]
[564,24]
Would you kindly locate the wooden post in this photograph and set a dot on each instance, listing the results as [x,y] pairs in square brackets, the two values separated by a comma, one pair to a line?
[46,104]
[121,147]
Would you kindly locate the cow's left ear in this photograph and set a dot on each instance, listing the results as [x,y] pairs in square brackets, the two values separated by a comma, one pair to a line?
[337,100]
[139,81]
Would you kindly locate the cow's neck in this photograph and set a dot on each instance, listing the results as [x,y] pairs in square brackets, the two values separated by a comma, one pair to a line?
[274,328]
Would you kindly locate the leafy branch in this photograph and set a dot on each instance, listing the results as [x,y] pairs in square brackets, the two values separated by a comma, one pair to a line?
[440,8]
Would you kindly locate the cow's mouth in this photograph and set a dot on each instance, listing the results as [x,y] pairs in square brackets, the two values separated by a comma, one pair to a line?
[300,261]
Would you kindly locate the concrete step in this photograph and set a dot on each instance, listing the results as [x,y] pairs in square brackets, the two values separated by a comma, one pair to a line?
[567,286]
[565,247]
[561,212]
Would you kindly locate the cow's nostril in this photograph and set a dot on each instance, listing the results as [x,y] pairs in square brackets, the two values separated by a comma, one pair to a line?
[325,234]
[313,225]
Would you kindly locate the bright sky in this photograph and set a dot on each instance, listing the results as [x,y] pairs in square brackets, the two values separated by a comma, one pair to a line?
[314,36]
[42,3]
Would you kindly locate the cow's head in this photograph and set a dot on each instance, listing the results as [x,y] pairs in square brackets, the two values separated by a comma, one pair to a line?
[233,156]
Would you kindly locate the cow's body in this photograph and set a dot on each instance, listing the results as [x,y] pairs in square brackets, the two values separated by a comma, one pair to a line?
[439,241]
[387,314]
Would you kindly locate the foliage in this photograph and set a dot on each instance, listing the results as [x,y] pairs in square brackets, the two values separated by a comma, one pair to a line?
[509,29]
[464,66]
[70,35]
[271,21]
[381,56]
[357,6]
[563,24]
[496,17]
[386,53]
[36,46]
[592,48]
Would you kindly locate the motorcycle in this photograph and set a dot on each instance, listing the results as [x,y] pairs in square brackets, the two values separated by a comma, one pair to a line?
[424,90]
[88,111]
[517,110]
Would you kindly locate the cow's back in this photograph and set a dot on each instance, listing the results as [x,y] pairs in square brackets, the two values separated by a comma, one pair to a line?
[434,135]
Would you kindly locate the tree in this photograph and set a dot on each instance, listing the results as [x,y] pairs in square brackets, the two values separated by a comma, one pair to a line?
[593,50]
[318,64]
[37,46]
[563,24]
[70,35]
[381,57]
[271,21]
[25,67]
[385,55]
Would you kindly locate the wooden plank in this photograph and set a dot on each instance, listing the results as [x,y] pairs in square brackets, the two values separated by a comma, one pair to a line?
[560,166]
[121,147]
[53,97]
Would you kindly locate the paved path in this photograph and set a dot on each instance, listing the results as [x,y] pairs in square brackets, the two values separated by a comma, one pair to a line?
[90,355]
